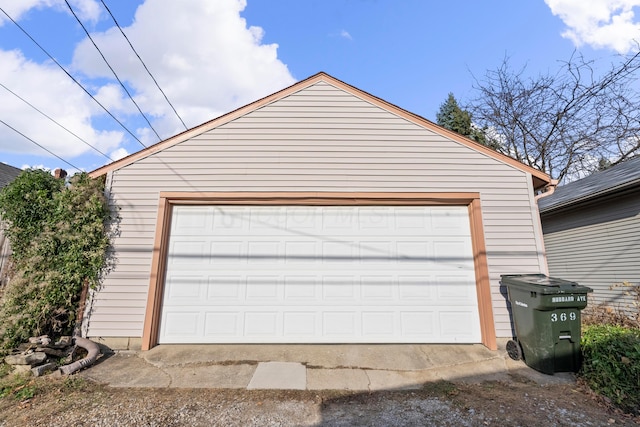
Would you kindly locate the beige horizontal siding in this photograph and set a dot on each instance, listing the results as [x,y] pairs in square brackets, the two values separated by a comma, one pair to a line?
[318,139]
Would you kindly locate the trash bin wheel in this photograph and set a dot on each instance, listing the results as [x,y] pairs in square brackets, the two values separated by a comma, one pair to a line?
[514,350]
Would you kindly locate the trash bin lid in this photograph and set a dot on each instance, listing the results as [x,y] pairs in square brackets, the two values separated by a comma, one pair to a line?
[546,284]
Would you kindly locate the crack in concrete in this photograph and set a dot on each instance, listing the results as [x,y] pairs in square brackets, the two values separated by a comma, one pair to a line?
[364,368]
[203,363]
[160,368]
[368,380]
[170,377]
[426,356]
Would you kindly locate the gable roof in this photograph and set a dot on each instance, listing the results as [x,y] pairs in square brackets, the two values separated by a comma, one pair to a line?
[7,174]
[540,179]
[620,177]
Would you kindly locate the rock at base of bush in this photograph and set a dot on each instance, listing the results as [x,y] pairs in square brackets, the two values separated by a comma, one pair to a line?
[43,369]
[31,359]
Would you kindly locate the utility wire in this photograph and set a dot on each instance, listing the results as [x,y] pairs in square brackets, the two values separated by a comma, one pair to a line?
[144,65]
[72,78]
[112,70]
[45,149]
[53,120]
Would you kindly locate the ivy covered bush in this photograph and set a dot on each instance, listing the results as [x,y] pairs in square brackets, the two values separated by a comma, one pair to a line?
[611,365]
[59,241]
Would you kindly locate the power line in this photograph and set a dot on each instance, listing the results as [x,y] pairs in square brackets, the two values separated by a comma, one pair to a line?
[44,148]
[112,70]
[53,120]
[144,65]
[72,78]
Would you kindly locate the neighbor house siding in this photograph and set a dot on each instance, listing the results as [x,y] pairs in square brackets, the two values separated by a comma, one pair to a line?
[596,245]
[318,139]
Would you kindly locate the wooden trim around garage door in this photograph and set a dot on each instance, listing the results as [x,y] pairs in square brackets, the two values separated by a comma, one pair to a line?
[483,285]
[156,281]
[168,199]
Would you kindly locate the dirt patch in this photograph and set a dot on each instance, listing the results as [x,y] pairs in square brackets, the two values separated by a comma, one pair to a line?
[60,402]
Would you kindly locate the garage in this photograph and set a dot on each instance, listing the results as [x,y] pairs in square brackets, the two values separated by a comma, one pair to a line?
[317,214]
[319,274]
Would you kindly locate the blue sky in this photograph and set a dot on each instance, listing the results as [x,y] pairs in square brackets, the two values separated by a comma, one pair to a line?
[212,56]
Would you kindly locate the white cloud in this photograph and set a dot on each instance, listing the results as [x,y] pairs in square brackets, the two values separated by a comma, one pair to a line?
[87,10]
[204,55]
[119,154]
[201,52]
[48,89]
[112,97]
[609,24]
[345,34]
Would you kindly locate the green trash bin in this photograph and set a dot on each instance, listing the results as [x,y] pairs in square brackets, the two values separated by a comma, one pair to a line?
[546,316]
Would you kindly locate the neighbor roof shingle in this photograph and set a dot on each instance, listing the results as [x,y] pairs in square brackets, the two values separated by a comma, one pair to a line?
[616,178]
[7,174]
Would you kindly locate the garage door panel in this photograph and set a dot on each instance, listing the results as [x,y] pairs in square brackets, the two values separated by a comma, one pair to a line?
[319,274]
[329,289]
[189,252]
[261,324]
[453,323]
[418,324]
[378,288]
[379,324]
[222,324]
[416,289]
[449,221]
[300,288]
[185,288]
[191,222]
[337,323]
[225,288]
[339,289]
[300,324]
[310,325]
[455,289]
[178,324]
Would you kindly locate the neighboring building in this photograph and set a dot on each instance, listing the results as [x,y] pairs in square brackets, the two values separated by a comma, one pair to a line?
[592,230]
[319,214]
[7,174]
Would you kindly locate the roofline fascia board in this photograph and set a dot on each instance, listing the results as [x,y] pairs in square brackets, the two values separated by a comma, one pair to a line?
[609,192]
[204,127]
[428,124]
[539,178]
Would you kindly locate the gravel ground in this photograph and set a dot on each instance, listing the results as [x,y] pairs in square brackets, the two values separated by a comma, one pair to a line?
[78,402]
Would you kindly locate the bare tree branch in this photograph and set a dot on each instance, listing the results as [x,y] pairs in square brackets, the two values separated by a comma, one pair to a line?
[565,124]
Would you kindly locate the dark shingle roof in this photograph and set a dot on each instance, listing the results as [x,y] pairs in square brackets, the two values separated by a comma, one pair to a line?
[7,174]
[616,178]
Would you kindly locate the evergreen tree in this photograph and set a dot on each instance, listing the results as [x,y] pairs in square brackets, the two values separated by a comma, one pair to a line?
[454,118]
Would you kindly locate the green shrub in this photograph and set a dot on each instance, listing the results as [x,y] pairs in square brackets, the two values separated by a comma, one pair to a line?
[27,204]
[611,364]
[59,240]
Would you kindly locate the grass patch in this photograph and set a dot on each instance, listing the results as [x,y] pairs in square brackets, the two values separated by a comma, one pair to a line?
[4,370]
[18,387]
[73,383]
[442,388]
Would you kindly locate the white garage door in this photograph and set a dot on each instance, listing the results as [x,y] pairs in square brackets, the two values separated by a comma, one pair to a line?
[321,274]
